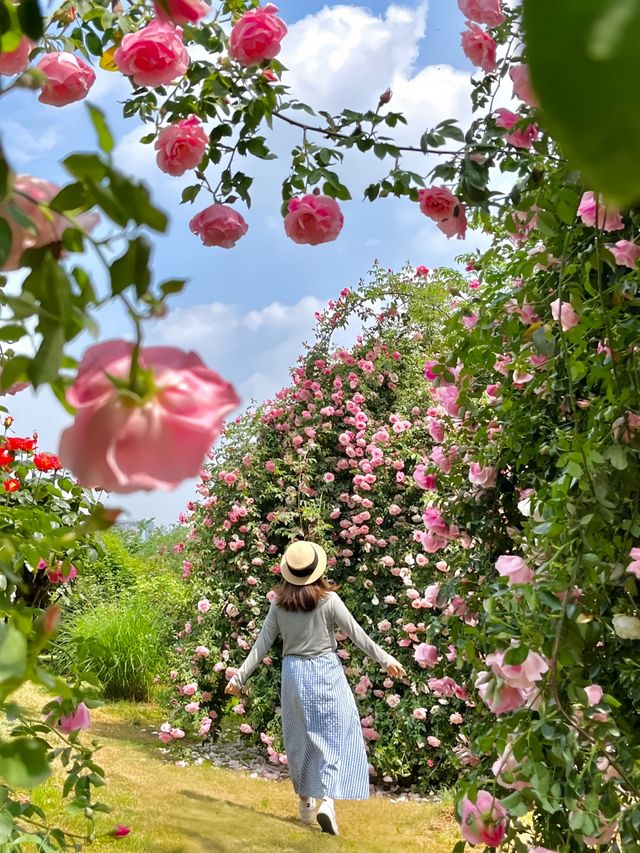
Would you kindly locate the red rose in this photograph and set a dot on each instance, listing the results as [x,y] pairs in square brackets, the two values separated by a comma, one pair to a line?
[46,462]
[120,831]
[5,458]
[15,443]
[11,485]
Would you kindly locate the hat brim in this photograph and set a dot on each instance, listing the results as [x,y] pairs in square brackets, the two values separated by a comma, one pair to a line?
[319,570]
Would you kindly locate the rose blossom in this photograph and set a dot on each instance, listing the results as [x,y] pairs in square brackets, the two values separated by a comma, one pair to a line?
[69,78]
[592,208]
[514,569]
[499,699]
[256,36]
[482,475]
[426,655]
[521,79]
[626,627]
[180,11]
[522,138]
[419,714]
[76,720]
[505,769]
[437,203]
[154,56]
[483,822]
[204,605]
[565,314]
[123,444]
[626,253]
[524,675]
[16,60]
[482,11]
[594,694]
[313,219]
[219,225]
[181,146]
[479,47]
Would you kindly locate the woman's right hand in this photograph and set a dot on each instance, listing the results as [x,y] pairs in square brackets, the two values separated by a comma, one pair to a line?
[396,670]
[233,689]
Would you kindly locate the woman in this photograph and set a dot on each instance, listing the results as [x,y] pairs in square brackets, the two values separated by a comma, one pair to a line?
[321,725]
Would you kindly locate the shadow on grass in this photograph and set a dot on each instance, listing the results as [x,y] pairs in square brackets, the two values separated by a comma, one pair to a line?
[207,798]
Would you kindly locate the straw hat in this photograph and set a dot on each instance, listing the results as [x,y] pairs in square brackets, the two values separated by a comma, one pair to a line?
[303,563]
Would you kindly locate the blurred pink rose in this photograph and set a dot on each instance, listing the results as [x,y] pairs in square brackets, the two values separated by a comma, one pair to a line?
[426,655]
[499,699]
[626,427]
[505,769]
[204,605]
[16,60]
[482,11]
[180,11]
[69,78]
[521,80]
[434,741]
[594,694]
[481,475]
[437,203]
[520,138]
[592,208]
[479,47]
[456,225]
[419,714]
[565,314]
[313,219]
[154,56]
[78,719]
[219,225]
[246,729]
[256,36]
[524,675]
[483,822]
[626,253]
[181,146]
[120,444]
[514,569]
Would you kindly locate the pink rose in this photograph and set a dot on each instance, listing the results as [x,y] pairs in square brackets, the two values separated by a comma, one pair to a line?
[426,655]
[246,729]
[565,314]
[419,714]
[78,719]
[505,769]
[29,195]
[626,427]
[479,48]
[499,699]
[69,78]
[437,203]
[16,60]
[121,443]
[626,253]
[313,219]
[522,138]
[482,475]
[202,651]
[483,822]
[393,701]
[456,225]
[441,459]
[219,225]
[521,80]
[514,569]
[180,11]
[594,694]
[204,605]
[181,146]
[192,707]
[592,208]
[434,741]
[524,675]
[256,36]
[482,11]
[422,479]
[153,56]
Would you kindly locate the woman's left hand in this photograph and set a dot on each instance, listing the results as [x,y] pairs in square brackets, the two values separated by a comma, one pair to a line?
[233,689]
[396,670]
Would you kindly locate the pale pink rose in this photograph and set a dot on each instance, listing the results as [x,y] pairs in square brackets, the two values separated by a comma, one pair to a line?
[482,11]
[370,734]
[434,741]
[119,444]
[256,36]
[565,314]
[625,253]
[204,605]
[384,625]
[219,225]
[447,397]
[482,475]
[270,466]
[189,689]
[419,714]
[505,769]
[456,719]
[594,694]
[426,655]
[69,78]
[181,146]
[499,699]
[393,701]
[592,208]
[202,651]
[626,427]
[431,595]
[520,138]
[524,675]
[154,56]
[16,60]
[521,79]
[437,203]
[483,822]
[192,707]
[454,225]
[313,219]
[180,11]
[178,734]
[514,569]
[77,720]
[441,459]
[246,729]
[479,47]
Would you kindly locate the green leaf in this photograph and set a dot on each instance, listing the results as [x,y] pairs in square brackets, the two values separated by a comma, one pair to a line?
[13,332]
[105,140]
[13,654]
[617,455]
[190,193]
[4,176]
[6,239]
[30,17]
[516,655]
[174,285]
[14,370]
[85,166]
[71,197]
[23,762]
[46,363]
[578,52]
[132,268]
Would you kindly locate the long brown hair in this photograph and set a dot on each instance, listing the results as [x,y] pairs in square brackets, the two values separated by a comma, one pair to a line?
[303,598]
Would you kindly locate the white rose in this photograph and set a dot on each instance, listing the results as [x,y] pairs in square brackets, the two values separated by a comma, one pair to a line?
[627,627]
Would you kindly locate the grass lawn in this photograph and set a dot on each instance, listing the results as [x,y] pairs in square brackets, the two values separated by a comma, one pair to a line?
[204,808]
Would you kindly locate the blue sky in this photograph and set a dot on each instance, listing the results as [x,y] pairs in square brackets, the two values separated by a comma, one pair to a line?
[247,310]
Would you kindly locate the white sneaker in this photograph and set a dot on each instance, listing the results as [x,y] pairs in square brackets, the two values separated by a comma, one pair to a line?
[326,817]
[306,809]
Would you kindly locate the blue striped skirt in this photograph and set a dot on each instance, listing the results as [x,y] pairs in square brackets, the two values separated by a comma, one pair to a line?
[322,732]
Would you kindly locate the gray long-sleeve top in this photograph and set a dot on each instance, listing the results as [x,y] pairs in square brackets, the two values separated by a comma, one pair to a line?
[309,635]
